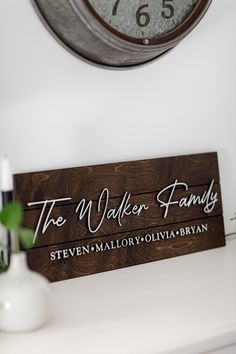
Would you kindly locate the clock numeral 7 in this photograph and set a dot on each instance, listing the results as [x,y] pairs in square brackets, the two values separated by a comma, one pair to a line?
[115,7]
[170,9]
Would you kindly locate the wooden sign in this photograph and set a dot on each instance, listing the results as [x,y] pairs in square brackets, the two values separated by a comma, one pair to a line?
[97,218]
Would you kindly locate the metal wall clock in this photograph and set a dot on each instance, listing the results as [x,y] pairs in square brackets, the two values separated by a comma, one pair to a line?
[120,33]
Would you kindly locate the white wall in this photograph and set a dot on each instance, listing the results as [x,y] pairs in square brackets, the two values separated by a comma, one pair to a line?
[57,111]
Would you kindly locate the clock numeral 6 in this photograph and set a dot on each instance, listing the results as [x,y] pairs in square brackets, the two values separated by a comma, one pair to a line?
[142,17]
[170,9]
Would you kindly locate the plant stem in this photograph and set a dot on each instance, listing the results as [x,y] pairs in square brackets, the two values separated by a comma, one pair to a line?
[15,242]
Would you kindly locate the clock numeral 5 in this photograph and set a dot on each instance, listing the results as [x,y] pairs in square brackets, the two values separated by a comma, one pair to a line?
[142,17]
[170,9]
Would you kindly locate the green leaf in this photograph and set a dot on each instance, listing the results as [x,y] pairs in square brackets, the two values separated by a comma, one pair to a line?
[26,237]
[11,215]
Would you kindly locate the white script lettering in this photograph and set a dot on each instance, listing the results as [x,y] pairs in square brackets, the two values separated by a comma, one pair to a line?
[60,221]
[85,207]
[208,198]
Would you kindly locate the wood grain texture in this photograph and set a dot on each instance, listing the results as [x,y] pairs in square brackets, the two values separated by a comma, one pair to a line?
[95,262]
[54,251]
[137,177]
[77,230]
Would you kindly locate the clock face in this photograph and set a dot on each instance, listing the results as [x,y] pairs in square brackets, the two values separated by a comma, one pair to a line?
[143,19]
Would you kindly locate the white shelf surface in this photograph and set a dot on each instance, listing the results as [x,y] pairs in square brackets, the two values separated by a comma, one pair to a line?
[181,305]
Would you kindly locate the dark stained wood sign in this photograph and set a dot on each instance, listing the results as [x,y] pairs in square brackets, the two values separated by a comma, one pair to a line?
[97,218]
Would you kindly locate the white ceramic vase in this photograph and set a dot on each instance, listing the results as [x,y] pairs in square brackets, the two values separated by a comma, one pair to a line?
[25,297]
